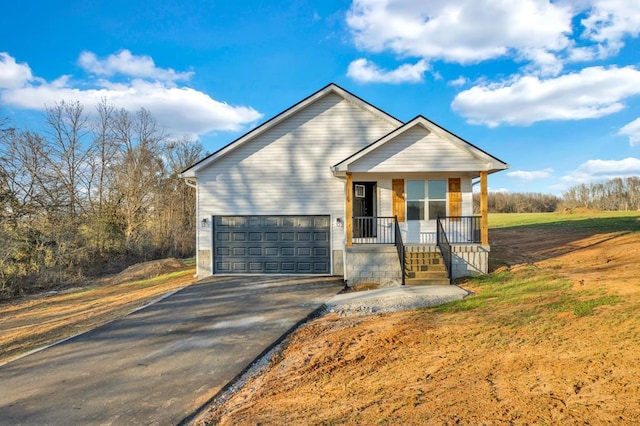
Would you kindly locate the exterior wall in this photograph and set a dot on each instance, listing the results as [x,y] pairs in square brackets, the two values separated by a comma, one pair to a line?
[469,259]
[203,263]
[373,264]
[417,150]
[286,170]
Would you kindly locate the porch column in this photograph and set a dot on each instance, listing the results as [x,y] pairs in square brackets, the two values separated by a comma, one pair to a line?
[349,210]
[484,210]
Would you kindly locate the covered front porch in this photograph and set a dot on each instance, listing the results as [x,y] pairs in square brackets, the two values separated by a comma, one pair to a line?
[412,191]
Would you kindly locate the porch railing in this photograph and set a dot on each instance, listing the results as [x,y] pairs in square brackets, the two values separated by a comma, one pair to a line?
[374,230]
[461,229]
[445,247]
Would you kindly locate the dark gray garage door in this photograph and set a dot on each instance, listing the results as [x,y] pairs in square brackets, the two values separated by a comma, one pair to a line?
[271,244]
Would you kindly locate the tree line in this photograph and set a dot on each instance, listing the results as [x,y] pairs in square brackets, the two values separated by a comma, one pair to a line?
[612,195]
[90,192]
[617,194]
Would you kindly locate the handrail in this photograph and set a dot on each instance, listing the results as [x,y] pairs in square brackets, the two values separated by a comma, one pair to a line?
[445,247]
[400,248]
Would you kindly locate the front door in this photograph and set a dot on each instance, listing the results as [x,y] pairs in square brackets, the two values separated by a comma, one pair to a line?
[364,205]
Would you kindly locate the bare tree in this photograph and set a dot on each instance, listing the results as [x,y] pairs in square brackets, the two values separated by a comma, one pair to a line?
[67,126]
[138,172]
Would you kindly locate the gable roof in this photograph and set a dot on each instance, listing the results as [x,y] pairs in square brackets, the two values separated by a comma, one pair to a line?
[492,164]
[274,121]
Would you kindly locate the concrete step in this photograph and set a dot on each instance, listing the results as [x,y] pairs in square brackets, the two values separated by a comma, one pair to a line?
[427,281]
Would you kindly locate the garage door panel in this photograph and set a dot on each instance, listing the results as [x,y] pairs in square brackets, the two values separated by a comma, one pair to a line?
[321,267]
[304,251]
[304,236]
[287,251]
[271,236]
[239,251]
[255,236]
[287,236]
[272,244]
[239,236]
[223,236]
[320,252]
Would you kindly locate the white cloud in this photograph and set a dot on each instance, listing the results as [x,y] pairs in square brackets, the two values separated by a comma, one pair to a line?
[593,92]
[609,21]
[599,170]
[531,175]
[462,31]
[181,110]
[12,74]
[365,71]
[125,63]
[476,189]
[633,131]
[460,81]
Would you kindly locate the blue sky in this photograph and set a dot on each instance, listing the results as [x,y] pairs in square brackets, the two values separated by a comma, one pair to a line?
[552,88]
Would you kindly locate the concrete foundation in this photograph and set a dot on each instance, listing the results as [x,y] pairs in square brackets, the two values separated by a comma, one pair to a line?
[375,263]
[379,263]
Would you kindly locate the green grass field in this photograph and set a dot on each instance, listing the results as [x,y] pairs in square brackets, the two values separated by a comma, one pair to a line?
[601,221]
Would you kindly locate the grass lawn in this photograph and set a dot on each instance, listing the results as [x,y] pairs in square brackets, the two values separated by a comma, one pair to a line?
[600,221]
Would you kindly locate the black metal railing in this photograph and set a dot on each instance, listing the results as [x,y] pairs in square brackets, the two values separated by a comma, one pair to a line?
[461,229]
[445,247]
[374,230]
[399,247]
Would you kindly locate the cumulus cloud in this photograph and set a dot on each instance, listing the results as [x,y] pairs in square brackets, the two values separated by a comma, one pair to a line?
[125,63]
[599,170]
[540,37]
[365,71]
[633,131]
[531,175]
[462,31]
[13,74]
[609,21]
[181,110]
[593,92]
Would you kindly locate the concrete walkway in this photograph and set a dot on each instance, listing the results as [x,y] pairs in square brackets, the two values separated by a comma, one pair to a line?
[392,299]
[160,364]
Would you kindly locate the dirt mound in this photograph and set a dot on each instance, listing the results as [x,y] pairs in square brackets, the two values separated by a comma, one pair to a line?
[145,270]
[577,210]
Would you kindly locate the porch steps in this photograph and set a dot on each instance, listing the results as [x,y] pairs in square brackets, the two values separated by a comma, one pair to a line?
[424,266]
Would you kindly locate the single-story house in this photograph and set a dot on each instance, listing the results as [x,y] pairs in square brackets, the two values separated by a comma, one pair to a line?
[335,186]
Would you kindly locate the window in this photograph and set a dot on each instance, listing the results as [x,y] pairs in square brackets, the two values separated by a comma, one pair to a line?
[437,199]
[415,199]
[426,199]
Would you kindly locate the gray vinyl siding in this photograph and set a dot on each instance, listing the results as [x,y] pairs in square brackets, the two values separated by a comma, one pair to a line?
[286,170]
[417,150]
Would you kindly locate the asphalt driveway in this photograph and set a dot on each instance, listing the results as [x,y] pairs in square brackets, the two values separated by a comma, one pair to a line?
[160,364]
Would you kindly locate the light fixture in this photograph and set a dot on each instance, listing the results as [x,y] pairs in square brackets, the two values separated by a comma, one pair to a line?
[205,222]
